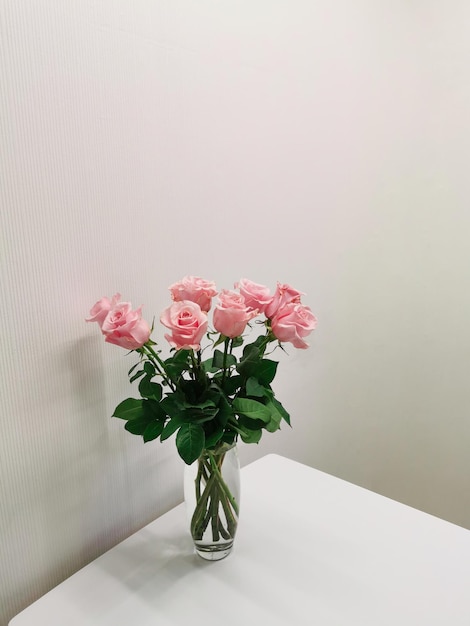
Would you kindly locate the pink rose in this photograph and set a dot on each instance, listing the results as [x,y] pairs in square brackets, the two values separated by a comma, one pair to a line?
[194,289]
[231,314]
[101,309]
[187,323]
[284,294]
[292,323]
[257,297]
[124,327]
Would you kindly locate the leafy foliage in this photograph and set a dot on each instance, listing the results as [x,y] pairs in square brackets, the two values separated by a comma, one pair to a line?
[207,403]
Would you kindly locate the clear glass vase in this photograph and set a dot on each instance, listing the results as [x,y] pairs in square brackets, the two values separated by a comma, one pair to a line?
[212,497]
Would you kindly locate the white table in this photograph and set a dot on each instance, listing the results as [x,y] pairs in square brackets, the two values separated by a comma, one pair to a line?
[311,550]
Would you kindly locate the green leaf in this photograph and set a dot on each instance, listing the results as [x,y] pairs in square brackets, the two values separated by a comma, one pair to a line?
[171,426]
[220,340]
[204,404]
[252,409]
[229,437]
[251,436]
[153,410]
[129,409]
[148,389]
[149,369]
[237,342]
[278,406]
[177,364]
[249,361]
[208,367]
[213,436]
[232,384]
[276,417]
[266,371]
[136,376]
[198,416]
[137,426]
[225,411]
[282,411]
[190,442]
[218,360]
[251,424]
[181,356]
[171,405]
[250,351]
[253,388]
[153,430]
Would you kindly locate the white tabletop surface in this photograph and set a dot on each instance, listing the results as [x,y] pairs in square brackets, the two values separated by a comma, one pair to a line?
[311,549]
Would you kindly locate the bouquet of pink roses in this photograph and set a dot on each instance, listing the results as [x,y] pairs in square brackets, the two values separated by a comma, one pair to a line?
[213,400]
[208,402]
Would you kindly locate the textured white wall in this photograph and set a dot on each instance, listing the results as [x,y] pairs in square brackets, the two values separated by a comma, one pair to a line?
[320,143]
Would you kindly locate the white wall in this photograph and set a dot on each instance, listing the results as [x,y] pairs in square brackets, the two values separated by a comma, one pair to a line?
[320,143]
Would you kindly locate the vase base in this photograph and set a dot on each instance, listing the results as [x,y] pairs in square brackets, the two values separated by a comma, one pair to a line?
[214,552]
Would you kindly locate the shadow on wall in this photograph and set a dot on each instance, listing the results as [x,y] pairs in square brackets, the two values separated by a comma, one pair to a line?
[92,452]
[55,490]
